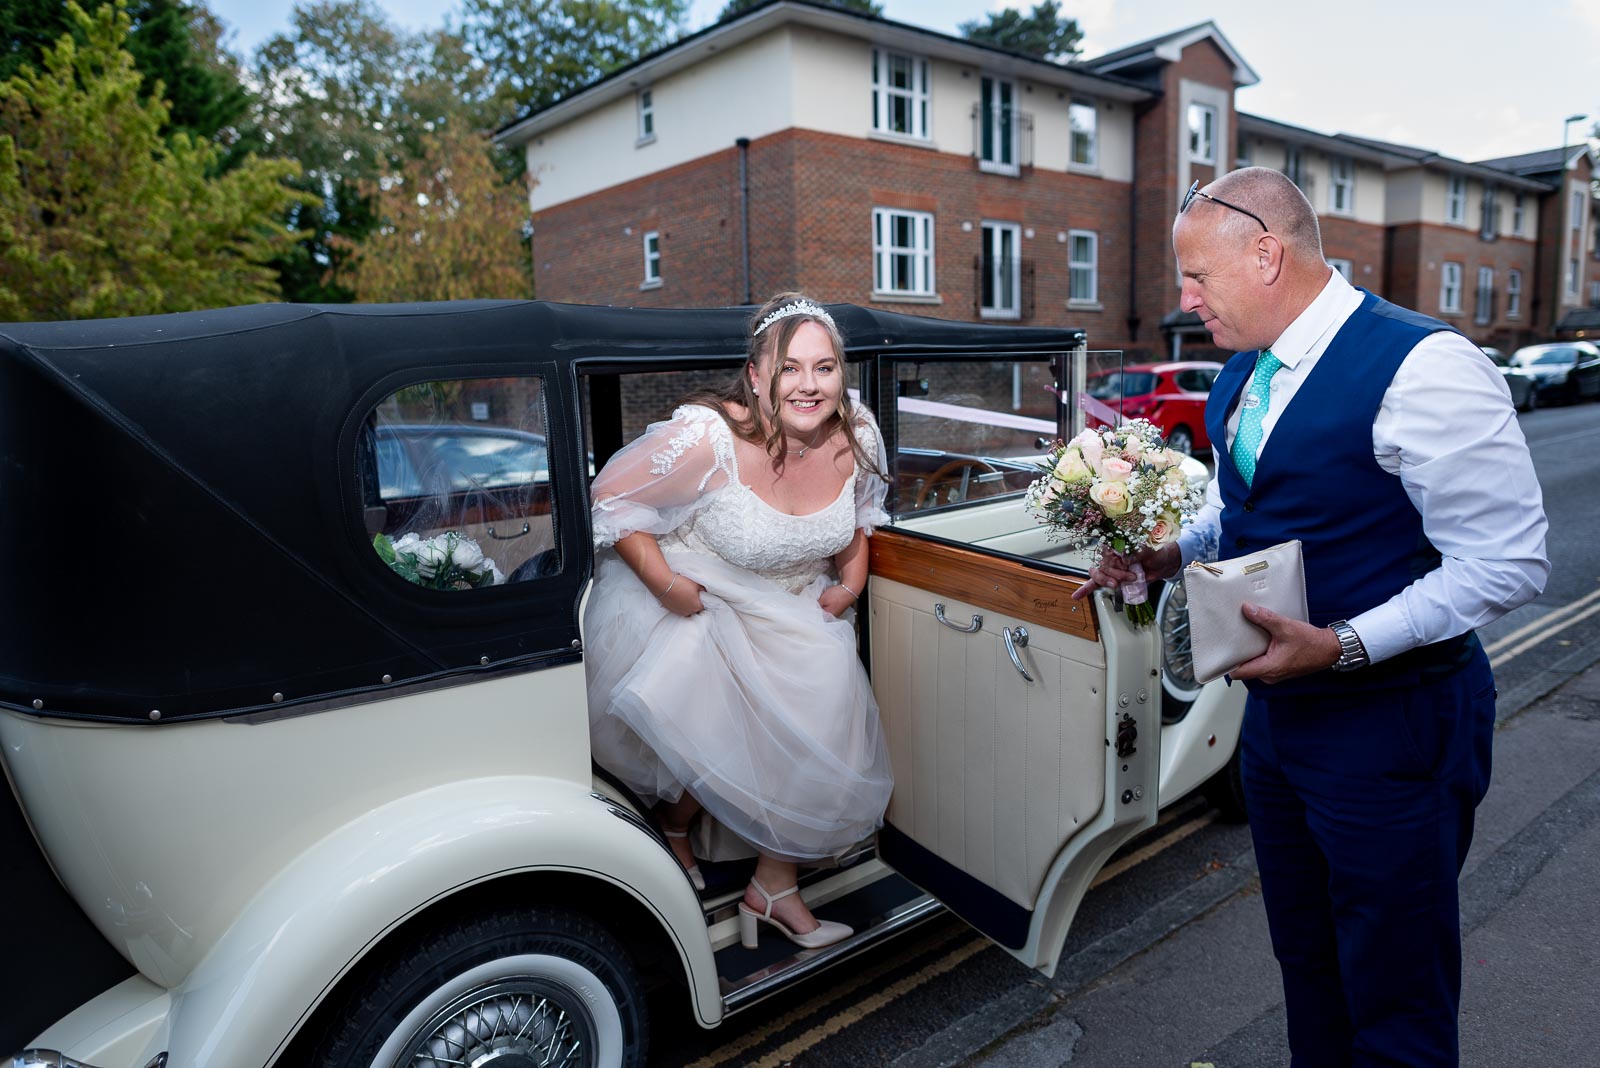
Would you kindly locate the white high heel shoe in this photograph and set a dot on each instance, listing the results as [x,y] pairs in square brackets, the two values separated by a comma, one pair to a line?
[826,934]
[693,870]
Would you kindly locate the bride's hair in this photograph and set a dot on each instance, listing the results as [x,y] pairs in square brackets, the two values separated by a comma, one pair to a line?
[769,339]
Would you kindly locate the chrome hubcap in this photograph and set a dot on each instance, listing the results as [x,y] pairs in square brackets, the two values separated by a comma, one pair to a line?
[518,1023]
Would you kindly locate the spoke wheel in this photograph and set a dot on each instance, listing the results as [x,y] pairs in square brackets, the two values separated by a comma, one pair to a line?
[1178,686]
[512,988]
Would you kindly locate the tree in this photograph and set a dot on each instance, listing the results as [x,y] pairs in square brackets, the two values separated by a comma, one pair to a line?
[173,43]
[102,216]
[739,7]
[449,227]
[543,50]
[1043,33]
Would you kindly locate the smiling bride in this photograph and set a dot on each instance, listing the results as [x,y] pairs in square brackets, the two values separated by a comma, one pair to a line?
[723,673]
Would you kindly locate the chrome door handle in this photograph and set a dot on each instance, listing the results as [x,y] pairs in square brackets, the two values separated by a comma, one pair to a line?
[1016,639]
[977,621]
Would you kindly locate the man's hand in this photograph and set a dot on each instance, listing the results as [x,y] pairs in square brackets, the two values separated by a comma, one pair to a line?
[1115,569]
[1295,648]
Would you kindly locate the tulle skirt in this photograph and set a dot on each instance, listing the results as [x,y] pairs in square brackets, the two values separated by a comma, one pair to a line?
[758,706]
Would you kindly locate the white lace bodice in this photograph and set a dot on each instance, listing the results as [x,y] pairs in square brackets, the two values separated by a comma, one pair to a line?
[681,482]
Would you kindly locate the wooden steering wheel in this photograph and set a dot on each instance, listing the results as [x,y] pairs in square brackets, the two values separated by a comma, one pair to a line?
[952,482]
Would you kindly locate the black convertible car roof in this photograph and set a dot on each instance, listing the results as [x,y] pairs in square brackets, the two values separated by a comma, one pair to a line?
[180,527]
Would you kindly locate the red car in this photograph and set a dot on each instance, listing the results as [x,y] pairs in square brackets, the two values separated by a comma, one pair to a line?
[1170,395]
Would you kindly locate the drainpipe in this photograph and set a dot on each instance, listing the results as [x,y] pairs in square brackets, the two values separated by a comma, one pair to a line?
[744,210]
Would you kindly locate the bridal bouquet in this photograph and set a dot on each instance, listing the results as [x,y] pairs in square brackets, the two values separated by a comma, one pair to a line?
[448,561]
[1120,487]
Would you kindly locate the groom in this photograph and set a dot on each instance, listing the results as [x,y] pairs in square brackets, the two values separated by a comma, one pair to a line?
[1387,444]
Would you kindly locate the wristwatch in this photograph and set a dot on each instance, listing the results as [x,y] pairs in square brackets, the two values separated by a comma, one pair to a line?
[1352,654]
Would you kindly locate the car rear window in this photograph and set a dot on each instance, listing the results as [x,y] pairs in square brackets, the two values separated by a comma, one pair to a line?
[1119,384]
[456,482]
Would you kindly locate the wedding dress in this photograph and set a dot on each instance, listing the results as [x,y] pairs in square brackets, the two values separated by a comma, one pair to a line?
[758,705]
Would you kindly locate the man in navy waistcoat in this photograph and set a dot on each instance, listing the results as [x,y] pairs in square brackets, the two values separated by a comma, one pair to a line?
[1387,444]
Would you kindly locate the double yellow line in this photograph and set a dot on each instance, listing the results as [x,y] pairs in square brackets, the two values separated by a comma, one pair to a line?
[1542,629]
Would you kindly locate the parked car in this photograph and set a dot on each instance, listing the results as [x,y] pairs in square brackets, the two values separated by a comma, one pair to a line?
[274,801]
[1566,371]
[1170,395]
[1524,386]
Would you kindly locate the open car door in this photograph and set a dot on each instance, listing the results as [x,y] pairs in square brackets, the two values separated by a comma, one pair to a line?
[1023,726]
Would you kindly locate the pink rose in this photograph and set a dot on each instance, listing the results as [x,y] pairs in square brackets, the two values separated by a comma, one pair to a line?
[1112,497]
[1115,469]
[1164,532]
[1091,446]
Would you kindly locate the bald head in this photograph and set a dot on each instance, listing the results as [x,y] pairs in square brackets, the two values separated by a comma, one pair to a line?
[1278,201]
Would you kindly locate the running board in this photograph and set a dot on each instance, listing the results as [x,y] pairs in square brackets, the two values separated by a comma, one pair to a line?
[741,993]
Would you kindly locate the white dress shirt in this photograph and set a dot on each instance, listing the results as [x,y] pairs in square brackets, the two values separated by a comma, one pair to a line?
[1447,428]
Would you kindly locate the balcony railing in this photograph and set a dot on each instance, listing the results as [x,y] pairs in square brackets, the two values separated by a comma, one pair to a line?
[1002,139]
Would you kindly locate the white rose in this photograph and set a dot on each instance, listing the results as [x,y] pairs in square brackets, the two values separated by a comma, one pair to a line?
[430,557]
[1090,445]
[1071,468]
[467,555]
[1116,469]
[1112,497]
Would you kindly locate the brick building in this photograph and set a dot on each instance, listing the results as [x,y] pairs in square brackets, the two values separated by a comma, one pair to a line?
[799,146]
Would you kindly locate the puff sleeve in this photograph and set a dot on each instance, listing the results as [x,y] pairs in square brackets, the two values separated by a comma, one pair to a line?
[658,481]
[871,489]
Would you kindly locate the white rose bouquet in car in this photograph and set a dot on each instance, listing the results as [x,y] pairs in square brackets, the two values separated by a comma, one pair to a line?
[448,561]
[1117,486]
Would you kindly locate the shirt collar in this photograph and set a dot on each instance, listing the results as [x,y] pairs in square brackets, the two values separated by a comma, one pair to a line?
[1313,327]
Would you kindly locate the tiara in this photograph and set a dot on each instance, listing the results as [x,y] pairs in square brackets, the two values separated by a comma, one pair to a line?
[798,307]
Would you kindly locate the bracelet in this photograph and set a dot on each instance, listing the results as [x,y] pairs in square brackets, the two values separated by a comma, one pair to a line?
[851,592]
[668,590]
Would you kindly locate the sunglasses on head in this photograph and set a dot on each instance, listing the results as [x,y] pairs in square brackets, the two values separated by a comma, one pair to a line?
[1194,191]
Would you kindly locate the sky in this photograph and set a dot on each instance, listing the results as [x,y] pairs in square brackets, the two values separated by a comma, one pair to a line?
[1473,79]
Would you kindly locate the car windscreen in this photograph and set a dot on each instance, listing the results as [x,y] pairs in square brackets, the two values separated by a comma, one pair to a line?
[1556,356]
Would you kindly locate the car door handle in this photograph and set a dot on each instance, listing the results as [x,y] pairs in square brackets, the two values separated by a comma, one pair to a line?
[509,537]
[1016,639]
[977,621]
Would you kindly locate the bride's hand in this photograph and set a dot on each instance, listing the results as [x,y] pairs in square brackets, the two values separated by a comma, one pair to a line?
[684,597]
[836,600]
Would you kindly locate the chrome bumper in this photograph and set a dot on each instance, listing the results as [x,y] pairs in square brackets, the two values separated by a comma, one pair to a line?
[49,1058]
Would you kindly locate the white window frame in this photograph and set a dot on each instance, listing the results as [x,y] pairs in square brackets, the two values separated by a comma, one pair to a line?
[1450,288]
[1294,165]
[1455,200]
[918,254]
[1090,138]
[1483,297]
[1341,185]
[1002,275]
[1513,294]
[915,95]
[1519,218]
[1202,138]
[1087,268]
[1345,268]
[647,115]
[1572,278]
[999,148]
[652,260]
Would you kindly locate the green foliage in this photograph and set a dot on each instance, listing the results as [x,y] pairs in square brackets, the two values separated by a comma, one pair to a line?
[739,7]
[543,50]
[174,44]
[1043,33]
[102,216]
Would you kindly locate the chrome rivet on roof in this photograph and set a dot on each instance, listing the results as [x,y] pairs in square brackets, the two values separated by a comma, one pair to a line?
[277,697]
[388,678]
[155,713]
[37,703]
[483,660]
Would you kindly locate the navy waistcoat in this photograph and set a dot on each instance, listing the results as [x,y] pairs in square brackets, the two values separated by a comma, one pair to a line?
[1317,480]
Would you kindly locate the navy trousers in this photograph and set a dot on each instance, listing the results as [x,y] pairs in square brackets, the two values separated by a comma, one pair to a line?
[1361,806]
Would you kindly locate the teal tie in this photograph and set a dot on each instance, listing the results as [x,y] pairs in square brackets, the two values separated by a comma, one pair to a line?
[1247,442]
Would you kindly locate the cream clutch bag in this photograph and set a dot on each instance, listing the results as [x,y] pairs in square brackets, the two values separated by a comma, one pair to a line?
[1220,638]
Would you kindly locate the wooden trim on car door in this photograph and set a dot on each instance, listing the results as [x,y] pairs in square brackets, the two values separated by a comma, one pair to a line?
[1004,586]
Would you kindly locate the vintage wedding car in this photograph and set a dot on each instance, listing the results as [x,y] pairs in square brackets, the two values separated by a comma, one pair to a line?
[271,802]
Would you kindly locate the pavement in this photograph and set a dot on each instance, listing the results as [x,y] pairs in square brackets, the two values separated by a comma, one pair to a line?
[1207,993]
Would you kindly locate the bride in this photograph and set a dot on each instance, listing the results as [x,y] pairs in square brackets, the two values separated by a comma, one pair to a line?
[722,661]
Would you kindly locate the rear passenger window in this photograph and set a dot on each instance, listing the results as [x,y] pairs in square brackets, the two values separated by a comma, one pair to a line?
[456,480]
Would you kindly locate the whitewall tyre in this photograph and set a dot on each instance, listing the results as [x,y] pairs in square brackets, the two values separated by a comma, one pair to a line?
[513,987]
